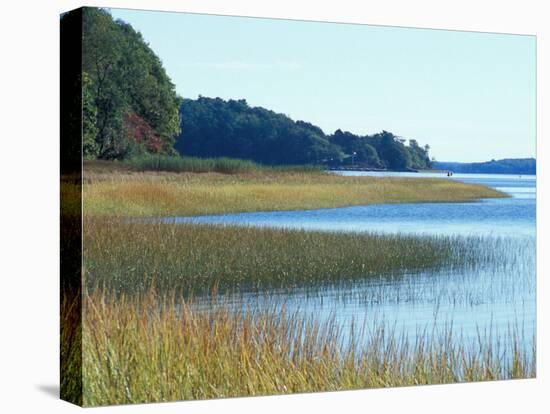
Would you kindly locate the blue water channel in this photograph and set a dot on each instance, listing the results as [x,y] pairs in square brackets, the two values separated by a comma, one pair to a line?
[490,299]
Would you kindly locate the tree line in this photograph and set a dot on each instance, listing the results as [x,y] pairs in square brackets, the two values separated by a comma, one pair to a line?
[526,166]
[213,127]
[130,107]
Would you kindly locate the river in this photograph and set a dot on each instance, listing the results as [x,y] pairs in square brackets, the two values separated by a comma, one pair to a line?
[491,299]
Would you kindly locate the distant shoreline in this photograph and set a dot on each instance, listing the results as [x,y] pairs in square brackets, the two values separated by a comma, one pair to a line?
[366,169]
[514,166]
[510,166]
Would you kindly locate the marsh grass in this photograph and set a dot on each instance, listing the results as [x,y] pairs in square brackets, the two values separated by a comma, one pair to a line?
[150,162]
[224,165]
[146,348]
[131,256]
[145,339]
[120,191]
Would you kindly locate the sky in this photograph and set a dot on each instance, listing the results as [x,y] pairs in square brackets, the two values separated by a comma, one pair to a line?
[471,96]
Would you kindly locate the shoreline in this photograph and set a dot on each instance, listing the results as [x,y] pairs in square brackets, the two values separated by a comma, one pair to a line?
[161,194]
[367,169]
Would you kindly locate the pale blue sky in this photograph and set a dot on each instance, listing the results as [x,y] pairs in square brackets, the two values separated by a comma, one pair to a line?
[470,96]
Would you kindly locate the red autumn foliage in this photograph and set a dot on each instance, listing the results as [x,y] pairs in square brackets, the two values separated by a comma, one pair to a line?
[138,130]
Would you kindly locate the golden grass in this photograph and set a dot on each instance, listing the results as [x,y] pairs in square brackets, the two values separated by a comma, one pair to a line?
[126,193]
[144,349]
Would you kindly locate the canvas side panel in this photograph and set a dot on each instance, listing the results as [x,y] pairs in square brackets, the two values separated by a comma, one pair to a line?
[71,206]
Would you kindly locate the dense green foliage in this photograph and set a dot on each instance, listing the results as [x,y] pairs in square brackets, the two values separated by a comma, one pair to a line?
[218,128]
[505,166]
[129,103]
[365,152]
[213,127]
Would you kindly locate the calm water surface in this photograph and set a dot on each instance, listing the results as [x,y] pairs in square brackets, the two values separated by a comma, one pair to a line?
[493,297]
[507,217]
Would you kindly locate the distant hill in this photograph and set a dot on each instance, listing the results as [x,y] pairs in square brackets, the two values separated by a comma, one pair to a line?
[505,166]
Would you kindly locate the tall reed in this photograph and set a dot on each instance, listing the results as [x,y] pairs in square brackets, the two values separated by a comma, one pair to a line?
[146,348]
[225,165]
[130,255]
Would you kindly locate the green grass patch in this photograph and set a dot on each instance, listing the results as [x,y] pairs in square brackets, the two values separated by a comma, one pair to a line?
[150,162]
[224,165]
[130,257]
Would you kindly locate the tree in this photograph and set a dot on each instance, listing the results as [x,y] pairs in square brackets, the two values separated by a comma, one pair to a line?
[213,127]
[365,153]
[419,156]
[90,146]
[141,134]
[124,80]
[392,151]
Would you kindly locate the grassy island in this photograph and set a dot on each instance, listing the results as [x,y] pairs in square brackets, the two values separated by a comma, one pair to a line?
[112,190]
